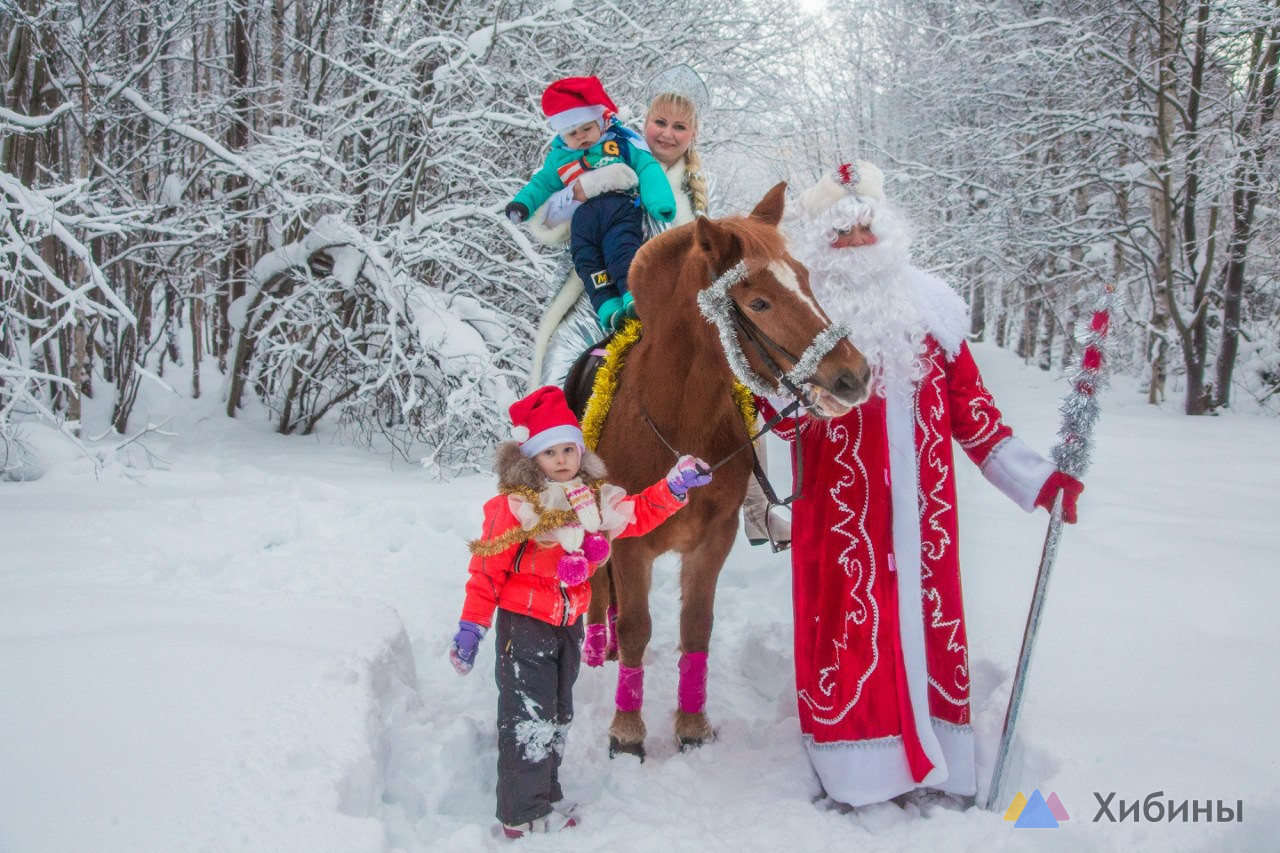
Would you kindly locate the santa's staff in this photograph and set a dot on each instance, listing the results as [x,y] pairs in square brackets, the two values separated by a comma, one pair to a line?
[1072,455]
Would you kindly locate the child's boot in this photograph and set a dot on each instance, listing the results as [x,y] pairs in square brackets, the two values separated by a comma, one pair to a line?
[609,314]
[553,822]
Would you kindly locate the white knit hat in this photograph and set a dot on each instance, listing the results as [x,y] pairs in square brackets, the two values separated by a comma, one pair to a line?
[856,179]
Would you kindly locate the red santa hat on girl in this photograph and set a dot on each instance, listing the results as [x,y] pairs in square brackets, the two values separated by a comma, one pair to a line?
[861,179]
[543,419]
[574,101]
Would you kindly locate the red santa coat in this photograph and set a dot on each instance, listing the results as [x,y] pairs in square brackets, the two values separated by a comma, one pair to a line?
[882,670]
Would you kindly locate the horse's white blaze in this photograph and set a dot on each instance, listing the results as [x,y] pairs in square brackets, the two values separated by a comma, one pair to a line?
[786,276]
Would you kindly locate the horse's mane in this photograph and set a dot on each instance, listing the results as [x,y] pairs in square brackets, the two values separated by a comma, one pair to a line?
[655,272]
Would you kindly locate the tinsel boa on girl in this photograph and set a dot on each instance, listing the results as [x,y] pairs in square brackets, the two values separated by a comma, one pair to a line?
[581,515]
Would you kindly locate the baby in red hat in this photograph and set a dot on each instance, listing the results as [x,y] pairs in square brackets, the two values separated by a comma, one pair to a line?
[544,535]
[608,227]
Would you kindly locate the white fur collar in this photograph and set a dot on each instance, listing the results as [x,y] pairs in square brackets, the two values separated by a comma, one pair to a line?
[943,311]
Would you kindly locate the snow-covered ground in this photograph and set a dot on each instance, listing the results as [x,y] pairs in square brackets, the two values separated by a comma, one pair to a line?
[238,643]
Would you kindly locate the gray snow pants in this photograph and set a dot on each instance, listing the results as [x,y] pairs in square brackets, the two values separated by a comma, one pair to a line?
[536,668]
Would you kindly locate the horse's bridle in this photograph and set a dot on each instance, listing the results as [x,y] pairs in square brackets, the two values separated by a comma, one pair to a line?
[734,326]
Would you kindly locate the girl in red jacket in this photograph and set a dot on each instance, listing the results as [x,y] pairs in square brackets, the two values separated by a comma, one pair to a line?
[544,535]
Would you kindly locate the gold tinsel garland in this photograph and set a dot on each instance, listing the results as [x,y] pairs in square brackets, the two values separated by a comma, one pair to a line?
[746,404]
[548,520]
[610,373]
[606,382]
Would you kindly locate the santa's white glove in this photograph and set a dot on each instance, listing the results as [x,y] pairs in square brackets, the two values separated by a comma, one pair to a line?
[616,177]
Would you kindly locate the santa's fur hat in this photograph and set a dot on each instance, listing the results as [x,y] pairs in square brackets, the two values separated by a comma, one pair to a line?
[848,179]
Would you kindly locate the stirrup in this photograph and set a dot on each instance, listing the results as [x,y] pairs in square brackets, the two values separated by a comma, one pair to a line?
[777,543]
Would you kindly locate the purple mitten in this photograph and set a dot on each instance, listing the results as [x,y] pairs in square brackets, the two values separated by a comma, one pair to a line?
[462,653]
[689,472]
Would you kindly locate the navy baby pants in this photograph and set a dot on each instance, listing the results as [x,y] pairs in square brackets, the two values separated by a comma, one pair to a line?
[606,233]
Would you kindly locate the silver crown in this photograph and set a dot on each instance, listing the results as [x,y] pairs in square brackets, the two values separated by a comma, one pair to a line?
[679,80]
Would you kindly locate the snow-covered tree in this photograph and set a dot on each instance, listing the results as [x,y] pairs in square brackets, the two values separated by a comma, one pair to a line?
[307,193]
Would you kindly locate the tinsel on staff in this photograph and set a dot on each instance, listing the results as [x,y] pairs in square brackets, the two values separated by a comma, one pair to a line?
[1074,451]
[1072,455]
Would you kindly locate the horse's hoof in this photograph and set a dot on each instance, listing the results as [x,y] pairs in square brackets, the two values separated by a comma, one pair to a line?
[617,747]
[693,730]
[688,743]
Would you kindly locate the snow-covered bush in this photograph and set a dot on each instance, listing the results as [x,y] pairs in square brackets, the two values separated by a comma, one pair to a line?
[336,327]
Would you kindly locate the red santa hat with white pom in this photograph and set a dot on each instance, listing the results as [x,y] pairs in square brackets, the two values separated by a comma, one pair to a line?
[859,179]
[575,101]
[543,419]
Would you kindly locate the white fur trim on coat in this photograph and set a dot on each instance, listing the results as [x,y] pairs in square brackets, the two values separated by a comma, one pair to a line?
[615,177]
[559,308]
[1017,471]
[552,235]
[943,311]
[863,772]
[684,205]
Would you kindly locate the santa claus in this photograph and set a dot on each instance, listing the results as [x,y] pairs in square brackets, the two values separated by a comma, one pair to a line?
[882,665]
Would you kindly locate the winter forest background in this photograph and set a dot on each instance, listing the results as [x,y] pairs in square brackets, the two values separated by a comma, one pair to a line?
[307,193]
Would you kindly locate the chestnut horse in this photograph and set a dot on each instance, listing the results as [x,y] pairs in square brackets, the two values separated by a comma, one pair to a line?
[676,389]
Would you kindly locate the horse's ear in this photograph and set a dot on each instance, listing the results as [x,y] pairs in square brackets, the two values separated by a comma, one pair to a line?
[769,210]
[714,241]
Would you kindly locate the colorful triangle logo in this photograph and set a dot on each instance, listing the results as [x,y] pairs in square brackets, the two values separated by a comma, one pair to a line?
[1037,814]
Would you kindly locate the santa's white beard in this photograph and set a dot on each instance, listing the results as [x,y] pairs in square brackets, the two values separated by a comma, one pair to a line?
[868,289]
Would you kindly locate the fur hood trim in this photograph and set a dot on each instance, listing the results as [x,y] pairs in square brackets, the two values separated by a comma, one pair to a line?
[548,235]
[515,469]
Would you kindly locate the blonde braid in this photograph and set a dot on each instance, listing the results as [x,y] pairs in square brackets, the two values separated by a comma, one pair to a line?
[695,181]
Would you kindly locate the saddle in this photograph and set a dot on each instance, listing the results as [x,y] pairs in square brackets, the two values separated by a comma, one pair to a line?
[580,381]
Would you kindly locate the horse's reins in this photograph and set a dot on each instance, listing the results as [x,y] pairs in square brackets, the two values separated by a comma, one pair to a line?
[768,427]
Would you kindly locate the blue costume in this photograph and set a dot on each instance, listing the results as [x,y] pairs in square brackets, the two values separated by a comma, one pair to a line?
[607,229]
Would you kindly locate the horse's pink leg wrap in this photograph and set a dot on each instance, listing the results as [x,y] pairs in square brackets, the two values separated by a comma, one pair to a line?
[612,618]
[593,645]
[630,687]
[692,693]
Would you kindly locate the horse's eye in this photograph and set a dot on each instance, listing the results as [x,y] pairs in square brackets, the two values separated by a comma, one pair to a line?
[758,305]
